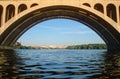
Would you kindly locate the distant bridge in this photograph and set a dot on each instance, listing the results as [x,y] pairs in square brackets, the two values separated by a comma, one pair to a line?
[103,16]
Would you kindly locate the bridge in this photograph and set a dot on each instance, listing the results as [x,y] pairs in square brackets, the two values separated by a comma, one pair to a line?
[103,16]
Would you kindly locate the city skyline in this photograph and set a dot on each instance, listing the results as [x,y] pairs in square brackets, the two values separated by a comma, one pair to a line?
[59,32]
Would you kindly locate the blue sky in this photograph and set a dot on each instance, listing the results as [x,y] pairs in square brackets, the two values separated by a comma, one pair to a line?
[59,32]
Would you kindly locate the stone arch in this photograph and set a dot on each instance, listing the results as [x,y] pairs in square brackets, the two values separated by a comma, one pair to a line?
[105,30]
[86,4]
[111,12]
[22,7]
[99,7]
[1,13]
[10,12]
[35,4]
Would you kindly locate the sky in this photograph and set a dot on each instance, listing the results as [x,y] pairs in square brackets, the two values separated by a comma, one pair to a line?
[59,32]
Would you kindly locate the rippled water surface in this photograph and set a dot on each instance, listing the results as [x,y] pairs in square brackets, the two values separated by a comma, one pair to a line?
[58,64]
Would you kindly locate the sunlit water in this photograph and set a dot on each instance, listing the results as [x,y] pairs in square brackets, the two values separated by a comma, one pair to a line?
[59,64]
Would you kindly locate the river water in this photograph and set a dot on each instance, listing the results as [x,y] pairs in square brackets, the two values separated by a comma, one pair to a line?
[59,64]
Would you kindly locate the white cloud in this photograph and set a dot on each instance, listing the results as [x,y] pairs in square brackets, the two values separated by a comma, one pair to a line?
[51,28]
[78,32]
[67,30]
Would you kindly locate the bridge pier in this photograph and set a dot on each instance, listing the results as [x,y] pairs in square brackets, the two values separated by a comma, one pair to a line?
[114,48]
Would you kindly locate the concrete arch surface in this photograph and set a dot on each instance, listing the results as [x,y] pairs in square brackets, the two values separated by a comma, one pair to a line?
[99,7]
[34,4]
[87,4]
[22,7]
[111,11]
[10,12]
[103,28]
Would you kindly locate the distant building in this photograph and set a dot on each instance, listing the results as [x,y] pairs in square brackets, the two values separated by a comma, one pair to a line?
[17,44]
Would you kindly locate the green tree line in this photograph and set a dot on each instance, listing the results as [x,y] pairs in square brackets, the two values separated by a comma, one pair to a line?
[88,46]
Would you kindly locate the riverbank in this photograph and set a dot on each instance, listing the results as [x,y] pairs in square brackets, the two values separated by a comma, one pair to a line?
[84,46]
[88,46]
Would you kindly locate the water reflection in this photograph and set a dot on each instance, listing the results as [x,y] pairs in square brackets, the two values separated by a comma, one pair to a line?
[8,61]
[112,67]
[59,64]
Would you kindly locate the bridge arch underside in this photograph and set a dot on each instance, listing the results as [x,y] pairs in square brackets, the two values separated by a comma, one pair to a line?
[100,26]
